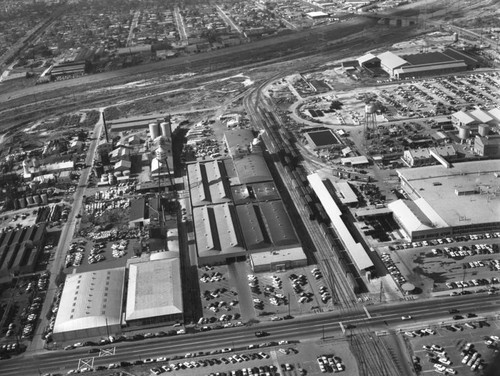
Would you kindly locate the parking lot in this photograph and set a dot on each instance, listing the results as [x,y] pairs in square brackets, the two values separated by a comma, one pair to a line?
[271,296]
[459,265]
[287,358]
[464,350]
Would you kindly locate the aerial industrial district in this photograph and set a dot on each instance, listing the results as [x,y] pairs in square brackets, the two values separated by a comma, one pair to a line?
[316,201]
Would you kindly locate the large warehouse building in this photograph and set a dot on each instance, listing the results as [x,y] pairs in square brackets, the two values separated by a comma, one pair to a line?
[443,201]
[154,294]
[91,305]
[358,254]
[237,209]
[418,65]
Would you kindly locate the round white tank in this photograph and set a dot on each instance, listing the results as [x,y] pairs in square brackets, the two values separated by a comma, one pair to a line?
[154,130]
[370,108]
[464,133]
[165,129]
[483,129]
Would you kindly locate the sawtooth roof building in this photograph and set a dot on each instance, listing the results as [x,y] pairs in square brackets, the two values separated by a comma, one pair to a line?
[443,201]
[91,305]
[154,293]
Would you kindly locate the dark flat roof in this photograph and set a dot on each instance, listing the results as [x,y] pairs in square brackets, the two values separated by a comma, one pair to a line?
[323,138]
[428,58]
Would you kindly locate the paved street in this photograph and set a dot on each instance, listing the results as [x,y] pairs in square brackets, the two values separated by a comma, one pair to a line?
[425,313]
[66,236]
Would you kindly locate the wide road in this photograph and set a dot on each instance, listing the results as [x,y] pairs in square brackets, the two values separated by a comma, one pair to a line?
[66,237]
[426,313]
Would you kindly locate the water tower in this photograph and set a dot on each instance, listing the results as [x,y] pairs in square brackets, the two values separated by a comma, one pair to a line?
[370,117]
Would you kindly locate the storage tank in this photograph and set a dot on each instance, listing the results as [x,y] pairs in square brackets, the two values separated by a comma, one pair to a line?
[370,108]
[463,133]
[483,130]
[45,198]
[154,131]
[37,199]
[165,129]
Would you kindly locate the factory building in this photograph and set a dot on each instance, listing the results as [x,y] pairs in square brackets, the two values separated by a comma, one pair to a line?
[427,156]
[418,65]
[218,237]
[91,305]
[473,119]
[154,293]
[208,183]
[444,202]
[20,249]
[487,146]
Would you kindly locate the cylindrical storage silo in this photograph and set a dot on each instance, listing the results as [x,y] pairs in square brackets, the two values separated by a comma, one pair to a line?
[483,129]
[154,131]
[165,129]
[463,133]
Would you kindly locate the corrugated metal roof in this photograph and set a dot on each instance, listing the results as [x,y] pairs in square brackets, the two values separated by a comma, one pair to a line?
[391,60]
[154,289]
[253,233]
[356,251]
[481,115]
[252,169]
[463,117]
[91,300]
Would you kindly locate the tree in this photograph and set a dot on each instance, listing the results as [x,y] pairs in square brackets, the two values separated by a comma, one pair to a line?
[336,105]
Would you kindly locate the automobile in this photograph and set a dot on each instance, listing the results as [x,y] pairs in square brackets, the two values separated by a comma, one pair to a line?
[454,310]
[429,331]
[439,367]
[94,350]
[457,317]
[288,367]
[227,349]
[149,360]
[407,317]
[113,365]
[260,333]
[69,347]
[156,371]
[264,355]
[276,318]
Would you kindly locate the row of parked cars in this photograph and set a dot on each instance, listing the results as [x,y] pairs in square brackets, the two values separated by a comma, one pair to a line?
[472,283]
[464,251]
[472,358]
[393,269]
[330,363]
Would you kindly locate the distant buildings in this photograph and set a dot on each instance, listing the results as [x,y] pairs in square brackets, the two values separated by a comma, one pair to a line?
[417,65]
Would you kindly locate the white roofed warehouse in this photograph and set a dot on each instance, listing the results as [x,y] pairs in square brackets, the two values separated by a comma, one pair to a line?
[91,305]
[443,202]
[154,294]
